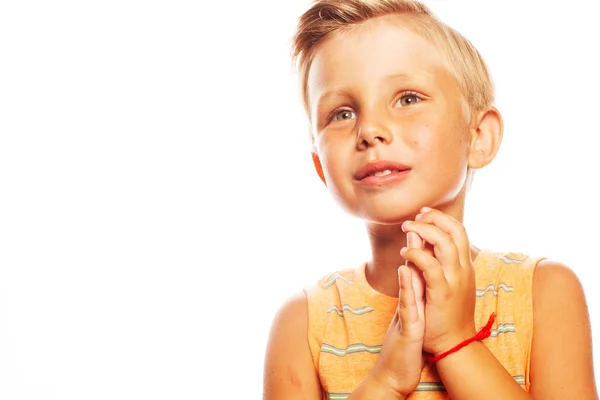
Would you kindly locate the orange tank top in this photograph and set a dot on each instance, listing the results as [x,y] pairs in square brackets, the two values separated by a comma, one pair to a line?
[348,321]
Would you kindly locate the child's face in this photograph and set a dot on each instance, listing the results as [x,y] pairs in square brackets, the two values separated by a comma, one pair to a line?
[382,92]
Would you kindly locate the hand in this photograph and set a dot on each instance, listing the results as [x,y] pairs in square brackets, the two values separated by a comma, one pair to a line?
[414,241]
[449,279]
[401,359]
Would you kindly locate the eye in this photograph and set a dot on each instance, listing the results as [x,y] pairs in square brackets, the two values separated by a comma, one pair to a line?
[408,99]
[344,115]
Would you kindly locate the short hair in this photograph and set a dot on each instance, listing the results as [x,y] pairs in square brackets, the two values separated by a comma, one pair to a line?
[326,18]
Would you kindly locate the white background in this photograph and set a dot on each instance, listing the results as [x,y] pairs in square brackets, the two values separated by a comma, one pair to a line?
[157,199]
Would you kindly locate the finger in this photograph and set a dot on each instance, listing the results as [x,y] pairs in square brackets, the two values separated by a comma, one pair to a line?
[444,248]
[407,310]
[414,241]
[452,227]
[436,284]
[418,281]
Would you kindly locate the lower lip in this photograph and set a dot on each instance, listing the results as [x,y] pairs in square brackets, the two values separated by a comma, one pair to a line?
[388,179]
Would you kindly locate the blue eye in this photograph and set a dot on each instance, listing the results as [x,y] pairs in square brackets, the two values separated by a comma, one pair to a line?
[344,115]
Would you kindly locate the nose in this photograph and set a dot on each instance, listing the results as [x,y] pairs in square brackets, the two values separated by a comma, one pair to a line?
[371,130]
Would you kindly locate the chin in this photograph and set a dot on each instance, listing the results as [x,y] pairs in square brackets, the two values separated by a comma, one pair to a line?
[388,218]
[389,207]
[386,208]
[393,213]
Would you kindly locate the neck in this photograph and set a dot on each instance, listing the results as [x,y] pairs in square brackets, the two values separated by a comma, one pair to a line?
[386,241]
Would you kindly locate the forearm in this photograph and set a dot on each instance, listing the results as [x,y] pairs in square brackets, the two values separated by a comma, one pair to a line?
[371,388]
[473,372]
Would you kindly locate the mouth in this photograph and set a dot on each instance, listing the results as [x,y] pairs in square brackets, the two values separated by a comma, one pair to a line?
[380,169]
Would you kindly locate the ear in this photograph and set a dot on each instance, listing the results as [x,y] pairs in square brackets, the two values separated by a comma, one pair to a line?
[486,136]
[318,166]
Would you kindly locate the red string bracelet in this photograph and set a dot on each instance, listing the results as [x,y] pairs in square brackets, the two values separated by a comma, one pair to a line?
[485,332]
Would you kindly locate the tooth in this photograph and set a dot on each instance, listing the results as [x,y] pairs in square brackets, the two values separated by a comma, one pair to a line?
[383,173]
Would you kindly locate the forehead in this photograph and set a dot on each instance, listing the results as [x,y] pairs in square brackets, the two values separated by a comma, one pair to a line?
[373,51]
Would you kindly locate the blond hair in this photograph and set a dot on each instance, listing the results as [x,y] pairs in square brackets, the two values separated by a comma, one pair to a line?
[328,17]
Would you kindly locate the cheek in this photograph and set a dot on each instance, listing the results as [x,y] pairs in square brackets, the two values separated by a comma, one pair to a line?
[439,138]
[426,139]
[423,130]
[333,164]
[332,155]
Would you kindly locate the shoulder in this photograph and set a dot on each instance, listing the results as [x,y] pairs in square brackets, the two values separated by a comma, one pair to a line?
[554,281]
[293,313]
[561,354]
[559,302]
[558,297]
[289,369]
[549,270]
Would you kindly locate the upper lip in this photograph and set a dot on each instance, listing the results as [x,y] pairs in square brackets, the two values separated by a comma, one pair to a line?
[378,166]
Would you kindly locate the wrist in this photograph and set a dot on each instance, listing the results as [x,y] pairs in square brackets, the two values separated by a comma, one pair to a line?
[450,341]
[387,387]
[466,353]
[485,332]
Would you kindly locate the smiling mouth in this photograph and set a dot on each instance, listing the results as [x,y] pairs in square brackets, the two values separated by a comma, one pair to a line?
[384,177]
[379,169]
[382,173]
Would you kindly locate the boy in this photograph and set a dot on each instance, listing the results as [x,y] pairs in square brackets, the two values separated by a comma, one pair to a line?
[401,113]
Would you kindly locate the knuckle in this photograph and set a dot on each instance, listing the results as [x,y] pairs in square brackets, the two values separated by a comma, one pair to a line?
[432,266]
[446,241]
[445,295]
[460,230]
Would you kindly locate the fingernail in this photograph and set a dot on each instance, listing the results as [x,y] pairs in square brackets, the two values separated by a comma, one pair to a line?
[403,250]
[400,270]
[410,238]
[425,209]
[418,217]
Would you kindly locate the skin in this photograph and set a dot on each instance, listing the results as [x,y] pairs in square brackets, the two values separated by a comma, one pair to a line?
[381,92]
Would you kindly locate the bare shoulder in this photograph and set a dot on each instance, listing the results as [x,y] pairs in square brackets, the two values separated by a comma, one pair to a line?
[561,356]
[549,272]
[289,370]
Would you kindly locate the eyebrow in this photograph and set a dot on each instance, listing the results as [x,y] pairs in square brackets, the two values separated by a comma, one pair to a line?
[415,77]
[404,77]
[332,93]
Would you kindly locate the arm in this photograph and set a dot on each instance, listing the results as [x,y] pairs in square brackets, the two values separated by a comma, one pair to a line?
[473,372]
[561,355]
[290,373]
[561,358]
